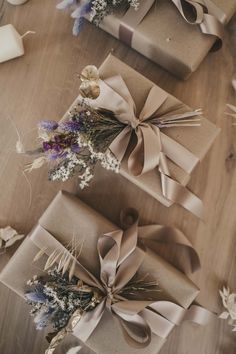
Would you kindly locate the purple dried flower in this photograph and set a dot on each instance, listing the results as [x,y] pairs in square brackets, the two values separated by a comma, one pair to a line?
[79,12]
[58,139]
[53,157]
[78,23]
[36,296]
[83,114]
[51,145]
[48,125]
[56,147]
[68,141]
[70,126]
[46,146]
[57,155]
[75,148]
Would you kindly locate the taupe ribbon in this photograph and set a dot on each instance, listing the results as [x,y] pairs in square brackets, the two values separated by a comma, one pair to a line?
[204,13]
[152,146]
[120,260]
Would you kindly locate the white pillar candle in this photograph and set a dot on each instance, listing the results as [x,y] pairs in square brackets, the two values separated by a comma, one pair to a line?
[17,2]
[11,43]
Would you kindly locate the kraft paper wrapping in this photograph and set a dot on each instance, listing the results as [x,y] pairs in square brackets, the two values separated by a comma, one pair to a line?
[167,39]
[67,215]
[197,139]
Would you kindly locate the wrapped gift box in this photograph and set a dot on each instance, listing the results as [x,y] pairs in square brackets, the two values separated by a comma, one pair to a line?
[197,140]
[167,39]
[66,216]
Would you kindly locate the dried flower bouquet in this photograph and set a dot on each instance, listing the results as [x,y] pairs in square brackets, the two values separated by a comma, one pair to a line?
[97,9]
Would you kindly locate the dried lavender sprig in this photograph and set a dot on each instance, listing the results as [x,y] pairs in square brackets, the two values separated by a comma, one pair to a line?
[54,298]
[101,127]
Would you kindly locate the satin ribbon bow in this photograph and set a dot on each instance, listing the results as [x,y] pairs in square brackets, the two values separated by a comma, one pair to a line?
[152,147]
[204,13]
[120,260]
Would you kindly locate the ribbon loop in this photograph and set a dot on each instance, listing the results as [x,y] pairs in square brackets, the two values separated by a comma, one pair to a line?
[109,253]
[206,14]
[191,11]
[136,331]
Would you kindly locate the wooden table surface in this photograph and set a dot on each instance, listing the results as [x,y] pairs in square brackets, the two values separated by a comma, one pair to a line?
[41,85]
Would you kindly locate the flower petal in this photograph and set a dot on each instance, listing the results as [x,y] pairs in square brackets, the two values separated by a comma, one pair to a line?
[224,315]
[7,233]
[20,147]
[13,240]
[36,296]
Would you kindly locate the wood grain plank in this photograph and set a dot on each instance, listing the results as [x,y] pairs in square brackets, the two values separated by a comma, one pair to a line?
[43,84]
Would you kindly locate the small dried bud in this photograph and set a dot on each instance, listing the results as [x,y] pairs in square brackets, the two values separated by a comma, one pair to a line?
[90,89]
[90,72]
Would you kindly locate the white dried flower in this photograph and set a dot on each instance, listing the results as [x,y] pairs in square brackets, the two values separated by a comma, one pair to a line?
[110,162]
[8,236]
[65,171]
[229,303]
[102,8]
[234,84]
[85,178]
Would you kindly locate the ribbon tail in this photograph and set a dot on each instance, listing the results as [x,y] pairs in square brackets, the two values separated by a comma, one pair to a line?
[199,315]
[162,316]
[212,26]
[146,153]
[88,322]
[158,324]
[178,153]
[179,194]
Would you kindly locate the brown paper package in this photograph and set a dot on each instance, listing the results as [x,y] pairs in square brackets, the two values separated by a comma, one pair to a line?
[167,39]
[67,215]
[197,139]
